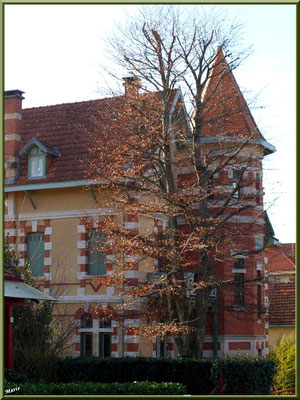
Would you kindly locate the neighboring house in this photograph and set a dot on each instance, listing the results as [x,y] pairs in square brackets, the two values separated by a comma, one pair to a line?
[281,263]
[50,218]
[281,270]
[282,311]
[16,291]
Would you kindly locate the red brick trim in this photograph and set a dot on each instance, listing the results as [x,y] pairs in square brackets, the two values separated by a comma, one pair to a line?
[239,345]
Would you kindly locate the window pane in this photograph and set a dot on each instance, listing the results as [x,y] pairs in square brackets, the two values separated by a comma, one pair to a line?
[161,347]
[259,243]
[96,258]
[239,289]
[239,263]
[36,166]
[104,345]
[35,253]
[86,344]
[86,321]
[104,323]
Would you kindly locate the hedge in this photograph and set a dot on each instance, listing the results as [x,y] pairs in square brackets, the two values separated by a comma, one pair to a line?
[13,376]
[244,375]
[92,388]
[194,374]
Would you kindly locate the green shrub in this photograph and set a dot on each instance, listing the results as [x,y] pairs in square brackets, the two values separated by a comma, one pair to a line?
[244,375]
[12,376]
[195,374]
[284,358]
[92,388]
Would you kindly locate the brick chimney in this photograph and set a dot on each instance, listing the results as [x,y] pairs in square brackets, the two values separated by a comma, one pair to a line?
[132,86]
[12,131]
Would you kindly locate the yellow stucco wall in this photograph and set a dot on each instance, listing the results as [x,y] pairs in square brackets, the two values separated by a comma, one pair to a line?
[275,334]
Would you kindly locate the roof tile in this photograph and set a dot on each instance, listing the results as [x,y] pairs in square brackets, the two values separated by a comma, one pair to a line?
[282,303]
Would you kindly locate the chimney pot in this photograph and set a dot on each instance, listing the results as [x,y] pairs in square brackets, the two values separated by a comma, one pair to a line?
[132,85]
[8,94]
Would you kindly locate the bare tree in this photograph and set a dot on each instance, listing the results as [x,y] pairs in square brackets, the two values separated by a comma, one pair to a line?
[163,167]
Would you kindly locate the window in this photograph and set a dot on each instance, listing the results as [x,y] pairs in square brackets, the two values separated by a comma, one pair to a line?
[161,347]
[235,184]
[104,337]
[86,321]
[259,243]
[259,307]
[96,258]
[239,263]
[35,253]
[86,338]
[239,289]
[86,344]
[277,278]
[104,344]
[237,190]
[104,323]
[36,164]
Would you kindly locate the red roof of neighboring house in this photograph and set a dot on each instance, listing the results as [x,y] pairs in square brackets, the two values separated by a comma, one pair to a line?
[282,297]
[281,259]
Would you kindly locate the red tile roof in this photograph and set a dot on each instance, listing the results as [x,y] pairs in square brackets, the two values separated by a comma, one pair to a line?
[70,129]
[282,297]
[224,98]
[67,127]
[281,259]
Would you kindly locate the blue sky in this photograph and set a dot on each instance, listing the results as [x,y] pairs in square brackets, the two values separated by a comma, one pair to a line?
[53,53]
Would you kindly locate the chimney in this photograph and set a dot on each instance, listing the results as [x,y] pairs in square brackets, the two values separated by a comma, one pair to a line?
[132,85]
[12,131]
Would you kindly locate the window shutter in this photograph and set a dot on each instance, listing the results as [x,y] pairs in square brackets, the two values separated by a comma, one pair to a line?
[96,258]
[35,253]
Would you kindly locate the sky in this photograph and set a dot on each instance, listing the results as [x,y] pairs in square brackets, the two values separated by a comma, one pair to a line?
[54,54]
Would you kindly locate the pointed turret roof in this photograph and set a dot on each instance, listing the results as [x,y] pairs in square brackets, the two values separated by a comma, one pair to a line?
[226,113]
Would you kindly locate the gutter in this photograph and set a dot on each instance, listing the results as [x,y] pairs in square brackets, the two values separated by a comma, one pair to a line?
[52,185]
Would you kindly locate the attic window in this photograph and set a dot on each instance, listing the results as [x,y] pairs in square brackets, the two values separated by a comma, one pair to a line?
[36,164]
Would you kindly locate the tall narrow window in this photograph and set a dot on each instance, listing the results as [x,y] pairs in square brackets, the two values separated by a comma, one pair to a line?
[161,347]
[35,253]
[86,338]
[104,344]
[36,164]
[259,243]
[235,184]
[96,258]
[259,307]
[86,344]
[239,289]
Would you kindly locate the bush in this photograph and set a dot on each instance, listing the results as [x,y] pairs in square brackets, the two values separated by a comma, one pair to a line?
[284,359]
[92,388]
[195,374]
[244,375]
[12,376]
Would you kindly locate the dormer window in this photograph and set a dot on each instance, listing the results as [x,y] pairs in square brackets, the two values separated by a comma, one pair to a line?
[36,163]
[37,153]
